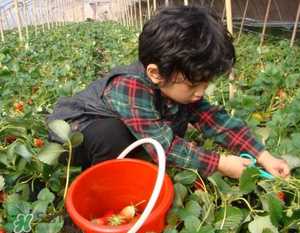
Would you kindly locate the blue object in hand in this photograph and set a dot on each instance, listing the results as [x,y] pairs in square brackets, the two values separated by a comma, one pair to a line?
[262,173]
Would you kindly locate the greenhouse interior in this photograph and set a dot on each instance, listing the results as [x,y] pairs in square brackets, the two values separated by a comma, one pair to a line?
[202,97]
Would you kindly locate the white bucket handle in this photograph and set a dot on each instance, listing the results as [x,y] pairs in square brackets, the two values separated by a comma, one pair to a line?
[159,180]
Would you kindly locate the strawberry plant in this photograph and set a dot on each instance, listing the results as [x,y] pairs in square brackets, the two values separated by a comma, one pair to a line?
[63,61]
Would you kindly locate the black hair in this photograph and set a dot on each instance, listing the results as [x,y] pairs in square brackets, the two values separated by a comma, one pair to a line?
[187,39]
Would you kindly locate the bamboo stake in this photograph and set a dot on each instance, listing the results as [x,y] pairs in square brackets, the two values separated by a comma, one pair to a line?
[131,15]
[35,16]
[47,14]
[18,19]
[1,27]
[243,20]
[148,9]
[265,23]
[232,88]
[63,12]
[141,16]
[25,19]
[212,3]
[125,13]
[43,16]
[82,10]
[135,15]
[154,6]
[295,26]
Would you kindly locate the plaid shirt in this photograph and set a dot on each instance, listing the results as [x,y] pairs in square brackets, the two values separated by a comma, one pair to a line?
[133,100]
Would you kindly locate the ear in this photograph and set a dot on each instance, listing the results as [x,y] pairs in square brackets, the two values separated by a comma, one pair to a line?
[153,73]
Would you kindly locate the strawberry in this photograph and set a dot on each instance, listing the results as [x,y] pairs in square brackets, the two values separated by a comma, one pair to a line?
[2,198]
[128,212]
[30,101]
[38,142]
[19,106]
[9,139]
[2,230]
[198,184]
[281,196]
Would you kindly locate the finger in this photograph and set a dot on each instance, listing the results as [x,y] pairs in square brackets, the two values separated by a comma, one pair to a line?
[285,171]
[246,162]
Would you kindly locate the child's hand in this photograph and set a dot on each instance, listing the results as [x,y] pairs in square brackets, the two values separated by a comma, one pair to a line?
[276,167]
[232,166]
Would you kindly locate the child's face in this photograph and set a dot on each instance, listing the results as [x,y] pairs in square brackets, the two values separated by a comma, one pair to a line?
[182,91]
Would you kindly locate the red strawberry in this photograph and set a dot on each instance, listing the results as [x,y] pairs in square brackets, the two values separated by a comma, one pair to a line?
[198,184]
[19,106]
[281,196]
[9,139]
[2,198]
[38,142]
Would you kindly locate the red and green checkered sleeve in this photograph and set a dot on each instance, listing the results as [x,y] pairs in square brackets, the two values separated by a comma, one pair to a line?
[230,132]
[133,101]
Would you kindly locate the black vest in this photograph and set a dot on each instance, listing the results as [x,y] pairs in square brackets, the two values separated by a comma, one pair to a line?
[81,109]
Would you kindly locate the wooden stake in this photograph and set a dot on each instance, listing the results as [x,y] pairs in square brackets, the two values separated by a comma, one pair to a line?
[131,15]
[295,26]
[154,6]
[186,2]
[35,16]
[135,15]
[141,15]
[243,20]
[18,19]
[25,20]
[265,23]
[1,27]
[148,9]
[232,88]
[166,3]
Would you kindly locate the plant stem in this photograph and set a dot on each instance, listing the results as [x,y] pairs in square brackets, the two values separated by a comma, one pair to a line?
[224,217]
[68,168]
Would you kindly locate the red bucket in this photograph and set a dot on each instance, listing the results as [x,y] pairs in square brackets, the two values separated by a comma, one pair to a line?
[112,185]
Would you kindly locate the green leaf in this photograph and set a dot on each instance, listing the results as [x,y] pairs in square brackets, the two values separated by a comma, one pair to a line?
[14,206]
[217,180]
[275,209]
[180,194]
[233,218]
[46,195]
[54,226]
[185,177]
[206,229]
[192,223]
[292,160]
[50,153]
[193,207]
[76,139]
[248,180]
[170,230]
[261,223]
[296,140]
[22,150]
[61,129]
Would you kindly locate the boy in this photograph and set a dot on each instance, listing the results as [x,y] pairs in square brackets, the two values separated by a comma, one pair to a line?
[181,50]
